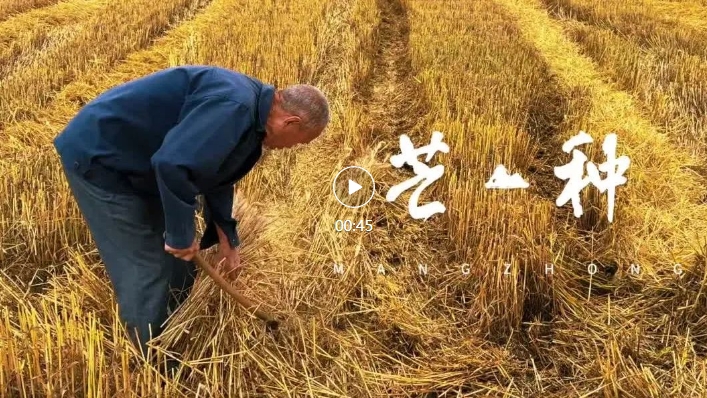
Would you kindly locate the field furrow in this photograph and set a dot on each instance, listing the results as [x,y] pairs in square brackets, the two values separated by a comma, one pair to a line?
[388,102]
[497,103]
[42,29]
[92,48]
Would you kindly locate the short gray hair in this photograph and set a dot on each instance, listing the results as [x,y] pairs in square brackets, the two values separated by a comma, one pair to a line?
[307,102]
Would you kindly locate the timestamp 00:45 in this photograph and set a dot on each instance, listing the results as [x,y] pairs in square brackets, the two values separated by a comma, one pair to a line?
[349,225]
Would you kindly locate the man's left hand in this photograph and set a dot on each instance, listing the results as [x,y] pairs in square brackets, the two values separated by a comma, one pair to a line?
[231,263]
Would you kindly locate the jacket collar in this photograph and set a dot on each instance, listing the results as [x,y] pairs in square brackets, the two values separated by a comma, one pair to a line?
[267,92]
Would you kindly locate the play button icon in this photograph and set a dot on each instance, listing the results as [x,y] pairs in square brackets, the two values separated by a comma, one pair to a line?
[353,186]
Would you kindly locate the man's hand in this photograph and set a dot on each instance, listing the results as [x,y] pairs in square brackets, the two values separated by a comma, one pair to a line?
[184,254]
[231,261]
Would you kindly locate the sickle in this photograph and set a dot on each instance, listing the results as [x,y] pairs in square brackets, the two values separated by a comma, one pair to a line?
[270,322]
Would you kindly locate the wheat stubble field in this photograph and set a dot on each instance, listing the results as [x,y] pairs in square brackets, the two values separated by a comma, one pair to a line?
[506,81]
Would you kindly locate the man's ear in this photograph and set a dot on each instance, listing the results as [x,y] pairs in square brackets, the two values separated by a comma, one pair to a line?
[292,119]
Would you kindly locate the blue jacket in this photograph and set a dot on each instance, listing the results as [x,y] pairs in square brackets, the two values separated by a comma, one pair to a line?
[174,134]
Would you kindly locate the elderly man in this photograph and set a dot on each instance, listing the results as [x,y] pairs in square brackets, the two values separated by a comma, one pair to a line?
[138,155]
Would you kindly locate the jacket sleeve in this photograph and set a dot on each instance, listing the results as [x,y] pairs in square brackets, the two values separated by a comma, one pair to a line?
[218,212]
[193,149]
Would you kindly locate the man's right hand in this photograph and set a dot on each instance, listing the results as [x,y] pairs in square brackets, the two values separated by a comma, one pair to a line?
[184,254]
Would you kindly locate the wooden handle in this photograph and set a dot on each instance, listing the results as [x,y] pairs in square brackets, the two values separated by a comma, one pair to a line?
[271,322]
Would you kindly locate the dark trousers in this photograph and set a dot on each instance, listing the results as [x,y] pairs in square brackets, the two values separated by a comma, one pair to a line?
[128,231]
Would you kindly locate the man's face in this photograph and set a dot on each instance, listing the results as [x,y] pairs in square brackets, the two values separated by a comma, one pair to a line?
[285,130]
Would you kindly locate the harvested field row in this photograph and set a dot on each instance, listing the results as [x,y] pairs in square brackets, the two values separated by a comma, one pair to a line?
[42,29]
[493,111]
[655,230]
[650,23]
[9,8]
[93,48]
[668,82]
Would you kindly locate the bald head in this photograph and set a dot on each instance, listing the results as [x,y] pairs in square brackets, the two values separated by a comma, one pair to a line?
[298,115]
